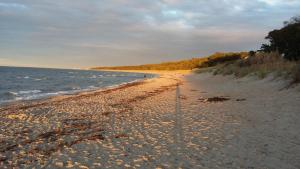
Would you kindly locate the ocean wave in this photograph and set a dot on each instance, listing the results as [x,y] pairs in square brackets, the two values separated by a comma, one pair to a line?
[37,79]
[38,94]
[122,84]
[12,93]
[76,88]
[34,96]
[59,82]
[93,77]
[29,92]
[92,87]
[111,75]
[9,94]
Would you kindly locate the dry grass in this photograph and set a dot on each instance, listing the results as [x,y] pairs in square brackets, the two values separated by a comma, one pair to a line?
[260,65]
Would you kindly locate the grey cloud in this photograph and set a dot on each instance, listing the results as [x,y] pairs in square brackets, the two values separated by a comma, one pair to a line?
[118,32]
[12,6]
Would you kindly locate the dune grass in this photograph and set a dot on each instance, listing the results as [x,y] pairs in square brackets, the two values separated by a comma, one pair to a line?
[260,65]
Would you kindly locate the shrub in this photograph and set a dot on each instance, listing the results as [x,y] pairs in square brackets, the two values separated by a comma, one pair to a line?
[285,40]
[260,58]
[260,65]
[219,58]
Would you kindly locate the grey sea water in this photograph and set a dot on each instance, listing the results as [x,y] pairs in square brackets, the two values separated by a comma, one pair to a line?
[18,83]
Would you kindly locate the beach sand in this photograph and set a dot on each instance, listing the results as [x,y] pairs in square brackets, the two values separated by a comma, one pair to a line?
[212,122]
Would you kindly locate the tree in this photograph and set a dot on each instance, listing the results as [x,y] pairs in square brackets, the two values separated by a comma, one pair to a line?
[285,40]
[251,53]
[293,20]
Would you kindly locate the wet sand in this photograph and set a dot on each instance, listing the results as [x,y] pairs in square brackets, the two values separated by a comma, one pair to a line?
[212,122]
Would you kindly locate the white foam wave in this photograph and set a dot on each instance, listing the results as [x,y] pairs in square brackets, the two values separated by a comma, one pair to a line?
[13,93]
[38,79]
[29,92]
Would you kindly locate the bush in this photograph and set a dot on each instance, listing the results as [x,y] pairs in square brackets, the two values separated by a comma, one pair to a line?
[219,58]
[260,58]
[285,40]
[260,65]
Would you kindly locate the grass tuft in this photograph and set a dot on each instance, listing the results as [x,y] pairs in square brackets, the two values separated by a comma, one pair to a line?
[260,65]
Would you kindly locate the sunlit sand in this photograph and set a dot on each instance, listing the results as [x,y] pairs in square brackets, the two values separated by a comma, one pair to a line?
[138,126]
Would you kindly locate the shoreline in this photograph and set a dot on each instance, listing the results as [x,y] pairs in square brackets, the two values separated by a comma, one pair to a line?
[21,104]
[24,102]
[61,97]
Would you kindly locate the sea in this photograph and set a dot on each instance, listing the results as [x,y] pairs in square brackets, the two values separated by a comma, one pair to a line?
[19,83]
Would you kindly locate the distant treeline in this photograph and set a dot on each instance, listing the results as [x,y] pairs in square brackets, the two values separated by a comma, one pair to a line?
[185,64]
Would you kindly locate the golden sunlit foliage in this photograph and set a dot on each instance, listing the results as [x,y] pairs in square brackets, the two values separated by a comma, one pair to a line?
[184,64]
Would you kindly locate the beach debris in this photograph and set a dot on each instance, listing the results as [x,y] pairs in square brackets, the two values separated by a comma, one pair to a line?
[214,99]
[219,99]
[121,135]
[96,137]
[106,113]
[240,100]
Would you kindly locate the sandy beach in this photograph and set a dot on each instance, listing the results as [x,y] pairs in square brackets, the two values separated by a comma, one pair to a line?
[177,120]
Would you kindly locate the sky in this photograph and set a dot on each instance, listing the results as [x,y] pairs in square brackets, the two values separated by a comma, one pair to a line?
[88,33]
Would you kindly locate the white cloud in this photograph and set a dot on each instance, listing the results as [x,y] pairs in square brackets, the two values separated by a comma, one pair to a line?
[172,13]
[279,2]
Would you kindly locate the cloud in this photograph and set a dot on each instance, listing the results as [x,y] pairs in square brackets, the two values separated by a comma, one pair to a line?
[280,2]
[13,5]
[133,32]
